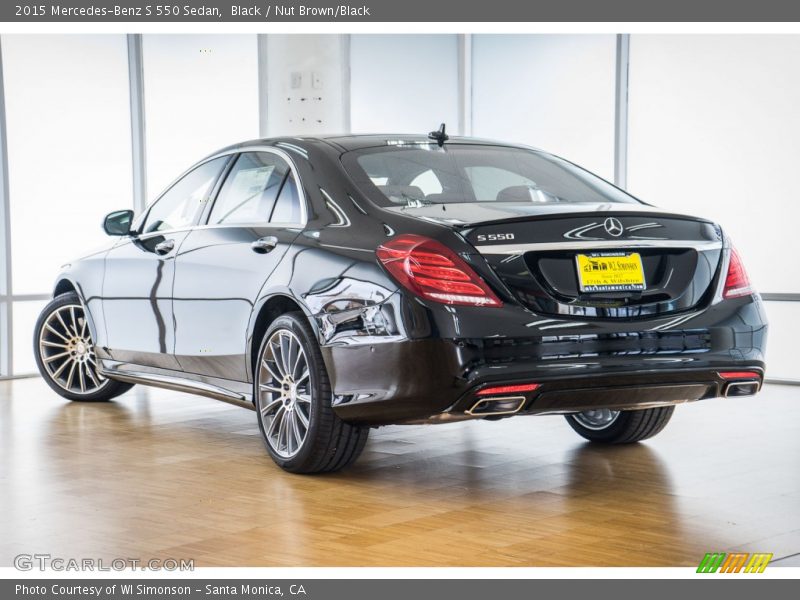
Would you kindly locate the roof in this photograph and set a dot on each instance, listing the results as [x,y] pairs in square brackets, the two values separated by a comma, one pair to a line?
[346,143]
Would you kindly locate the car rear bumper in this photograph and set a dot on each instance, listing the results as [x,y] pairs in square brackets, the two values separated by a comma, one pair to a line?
[626,366]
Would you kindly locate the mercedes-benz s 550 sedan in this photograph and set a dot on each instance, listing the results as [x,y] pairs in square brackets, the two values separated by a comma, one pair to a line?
[340,283]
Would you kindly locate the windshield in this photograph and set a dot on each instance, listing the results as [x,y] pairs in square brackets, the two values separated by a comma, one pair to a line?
[419,175]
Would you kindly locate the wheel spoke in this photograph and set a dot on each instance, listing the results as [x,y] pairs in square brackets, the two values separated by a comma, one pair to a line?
[283,432]
[295,428]
[53,344]
[81,380]
[60,369]
[55,356]
[285,349]
[291,443]
[51,329]
[302,377]
[90,373]
[302,416]
[275,421]
[276,376]
[265,410]
[305,398]
[276,358]
[63,324]
[71,374]
[300,357]
[269,388]
[74,322]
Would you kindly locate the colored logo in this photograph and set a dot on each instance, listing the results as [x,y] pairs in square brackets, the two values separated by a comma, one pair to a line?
[734,562]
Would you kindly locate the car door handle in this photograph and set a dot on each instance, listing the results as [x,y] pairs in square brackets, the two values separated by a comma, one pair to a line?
[265,244]
[164,247]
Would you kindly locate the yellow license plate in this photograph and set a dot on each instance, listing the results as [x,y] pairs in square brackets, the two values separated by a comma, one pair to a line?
[610,272]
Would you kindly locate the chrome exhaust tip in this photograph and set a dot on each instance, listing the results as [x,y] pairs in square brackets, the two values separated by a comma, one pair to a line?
[740,388]
[496,406]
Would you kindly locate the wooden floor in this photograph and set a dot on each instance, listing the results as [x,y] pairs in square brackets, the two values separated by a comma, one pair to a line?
[160,474]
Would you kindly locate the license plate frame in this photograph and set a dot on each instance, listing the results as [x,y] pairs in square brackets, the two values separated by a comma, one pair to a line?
[623,272]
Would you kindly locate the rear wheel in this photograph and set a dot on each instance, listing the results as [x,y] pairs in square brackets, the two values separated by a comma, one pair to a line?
[620,427]
[65,353]
[293,399]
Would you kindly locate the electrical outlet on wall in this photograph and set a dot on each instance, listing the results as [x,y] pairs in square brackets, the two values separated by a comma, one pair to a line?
[296,80]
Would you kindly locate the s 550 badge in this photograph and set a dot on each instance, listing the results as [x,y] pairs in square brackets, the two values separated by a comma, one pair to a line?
[495,237]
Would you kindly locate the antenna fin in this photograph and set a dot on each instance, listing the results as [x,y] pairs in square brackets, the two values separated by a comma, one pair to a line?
[440,135]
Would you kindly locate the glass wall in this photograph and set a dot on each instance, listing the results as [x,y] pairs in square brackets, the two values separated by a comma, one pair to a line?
[403,83]
[554,92]
[201,94]
[69,161]
[69,147]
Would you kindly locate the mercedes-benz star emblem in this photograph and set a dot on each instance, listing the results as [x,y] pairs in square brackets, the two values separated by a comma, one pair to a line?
[613,227]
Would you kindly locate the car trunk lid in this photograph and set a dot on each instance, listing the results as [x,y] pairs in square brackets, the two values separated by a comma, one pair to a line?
[534,251]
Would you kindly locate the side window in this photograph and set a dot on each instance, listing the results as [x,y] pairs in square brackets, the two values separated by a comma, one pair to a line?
[182,203]
[287,208]
[250,190]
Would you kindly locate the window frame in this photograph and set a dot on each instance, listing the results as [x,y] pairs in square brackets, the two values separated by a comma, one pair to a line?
[293,171]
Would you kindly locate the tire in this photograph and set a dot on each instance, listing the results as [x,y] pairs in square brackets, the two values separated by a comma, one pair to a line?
[624,427]
[295,416]
[65,355]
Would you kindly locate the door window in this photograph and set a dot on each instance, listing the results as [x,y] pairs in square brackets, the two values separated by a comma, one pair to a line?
[181,205]
[250,190]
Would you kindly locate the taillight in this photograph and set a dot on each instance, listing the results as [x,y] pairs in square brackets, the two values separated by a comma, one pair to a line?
[433,271]
[737,283]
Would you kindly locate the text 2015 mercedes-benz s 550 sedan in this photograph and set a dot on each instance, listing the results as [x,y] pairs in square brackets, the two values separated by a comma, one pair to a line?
[340,283]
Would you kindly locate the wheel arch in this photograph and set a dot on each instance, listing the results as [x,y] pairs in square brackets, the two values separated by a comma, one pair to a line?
[65,285]
[270,308]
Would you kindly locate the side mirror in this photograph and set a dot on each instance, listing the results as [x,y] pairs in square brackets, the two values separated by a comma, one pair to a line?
[118,222]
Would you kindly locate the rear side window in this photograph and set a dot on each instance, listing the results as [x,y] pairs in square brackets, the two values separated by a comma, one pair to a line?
[251,189]
[421,174]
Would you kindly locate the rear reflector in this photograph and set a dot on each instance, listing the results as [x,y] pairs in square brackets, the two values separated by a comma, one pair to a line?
[737,283]
[509,389]
[433,271]
[740,375]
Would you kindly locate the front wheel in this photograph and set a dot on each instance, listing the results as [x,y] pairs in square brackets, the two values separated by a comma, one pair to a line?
[620,427]
[293,399]
[65,353]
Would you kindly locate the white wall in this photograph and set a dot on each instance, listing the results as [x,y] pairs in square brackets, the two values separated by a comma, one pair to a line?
[201,94]
[307,85]
[715,130]
[403,84]
[555,92]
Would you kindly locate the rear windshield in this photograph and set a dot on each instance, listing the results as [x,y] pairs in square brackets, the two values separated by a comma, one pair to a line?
[418,175]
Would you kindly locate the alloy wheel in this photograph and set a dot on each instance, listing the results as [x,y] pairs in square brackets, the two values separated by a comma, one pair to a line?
[67,351]
[284,388]
[597,419]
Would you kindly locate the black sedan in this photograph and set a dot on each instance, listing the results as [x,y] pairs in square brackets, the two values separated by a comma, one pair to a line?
[340,283]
